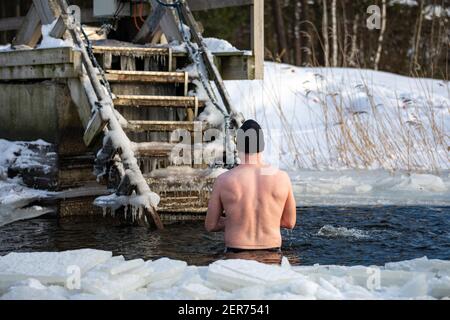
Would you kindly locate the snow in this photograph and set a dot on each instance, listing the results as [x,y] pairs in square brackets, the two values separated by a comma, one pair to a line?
[342,118]
[219,45]
[50,42]
[369,187]
[409,3]
[5,47]
[43,275]
[15,198]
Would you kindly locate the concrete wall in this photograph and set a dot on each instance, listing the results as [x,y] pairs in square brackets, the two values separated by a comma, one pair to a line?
[40,110]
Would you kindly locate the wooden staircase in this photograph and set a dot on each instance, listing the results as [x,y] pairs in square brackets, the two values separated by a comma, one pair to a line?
[145,102]
[155,103]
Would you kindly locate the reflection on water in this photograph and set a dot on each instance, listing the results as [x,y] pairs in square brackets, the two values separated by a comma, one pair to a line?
[393,233]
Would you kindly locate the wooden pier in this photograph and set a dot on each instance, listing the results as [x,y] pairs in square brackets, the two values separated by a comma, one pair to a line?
[43,96]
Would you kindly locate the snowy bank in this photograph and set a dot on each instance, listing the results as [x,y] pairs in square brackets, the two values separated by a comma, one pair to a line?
[15,198]
[336,118]
[94,274]
[369,187]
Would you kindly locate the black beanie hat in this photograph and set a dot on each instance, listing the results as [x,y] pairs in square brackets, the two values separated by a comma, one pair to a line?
[250,138]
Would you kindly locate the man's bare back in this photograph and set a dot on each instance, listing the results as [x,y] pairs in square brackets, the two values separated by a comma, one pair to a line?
[257,201]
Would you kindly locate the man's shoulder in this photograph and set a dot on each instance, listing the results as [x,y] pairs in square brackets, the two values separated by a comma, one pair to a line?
[276,173]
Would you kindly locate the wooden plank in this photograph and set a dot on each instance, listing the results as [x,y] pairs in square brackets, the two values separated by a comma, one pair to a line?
[131,51]
[87,16]
[30,30]
[39,57]
[59,29]
[145,76]
[169,27]
[84,103]
[157,101]
[94,129]
[207,58]
[257,21]
[164,126]
[153,149]
[46,10]
[54,71]
[235,67]
[14,23]
[151,25]
[197,5]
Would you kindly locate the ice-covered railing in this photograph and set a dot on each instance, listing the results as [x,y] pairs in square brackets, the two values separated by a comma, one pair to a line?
[206,72]
[133,189]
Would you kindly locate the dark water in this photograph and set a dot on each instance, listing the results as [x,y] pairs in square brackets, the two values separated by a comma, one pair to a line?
[382,234]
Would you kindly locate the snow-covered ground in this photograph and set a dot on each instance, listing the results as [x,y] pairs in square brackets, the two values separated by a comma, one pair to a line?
[352,136]
[332,118]
[93,274]
[15,198]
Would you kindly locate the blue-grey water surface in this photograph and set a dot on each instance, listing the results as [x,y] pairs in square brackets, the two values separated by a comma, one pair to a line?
[324,235]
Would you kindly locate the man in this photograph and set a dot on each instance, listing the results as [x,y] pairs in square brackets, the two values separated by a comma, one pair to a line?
[253,201]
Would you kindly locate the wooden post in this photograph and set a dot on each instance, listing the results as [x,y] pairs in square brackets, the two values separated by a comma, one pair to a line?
[30,30]
[257,18]
[151,24]
[47,10]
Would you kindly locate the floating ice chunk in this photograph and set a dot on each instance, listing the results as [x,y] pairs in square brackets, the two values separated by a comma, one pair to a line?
[417,287]
[439,287]
[49,267]
[336,232]
[126,266]
[191,275]
[165,268]
[198,291]
[364,188]
[233,274]
[104,284]
[32,289]
[425,182]
[304,287]
[285,263]
[421,265]
[249,293]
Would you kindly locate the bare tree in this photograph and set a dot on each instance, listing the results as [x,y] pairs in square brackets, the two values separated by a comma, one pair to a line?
[280,30]
[334,33]
[297,32]
[352,60]
[325,34]
[381,37]
[417,35]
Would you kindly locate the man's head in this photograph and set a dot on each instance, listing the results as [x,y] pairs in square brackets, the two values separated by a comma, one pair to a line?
[250,138]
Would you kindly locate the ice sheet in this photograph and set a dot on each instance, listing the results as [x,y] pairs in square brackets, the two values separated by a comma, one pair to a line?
[49,267]
[42,277]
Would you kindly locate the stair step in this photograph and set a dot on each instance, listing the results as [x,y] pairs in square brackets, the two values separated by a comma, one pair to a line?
[153,149]
[132,51]
[158,101]
[147,76]
[164,126]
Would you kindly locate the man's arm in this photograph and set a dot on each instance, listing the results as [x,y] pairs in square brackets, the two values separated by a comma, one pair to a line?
[289,217]
[214,221]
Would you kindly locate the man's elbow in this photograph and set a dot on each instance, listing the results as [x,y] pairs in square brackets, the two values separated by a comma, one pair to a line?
[289,224]
[210,227]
